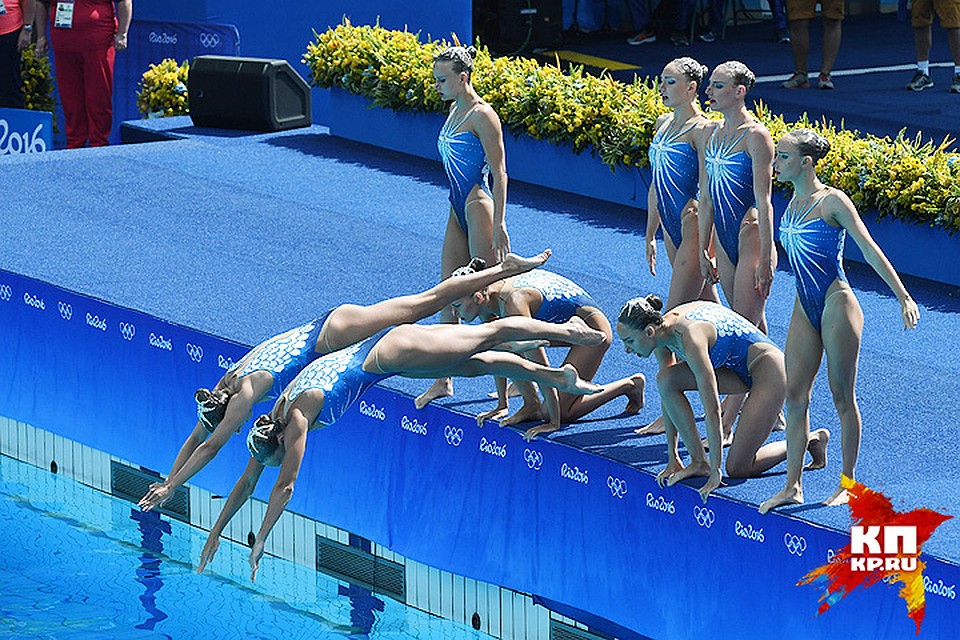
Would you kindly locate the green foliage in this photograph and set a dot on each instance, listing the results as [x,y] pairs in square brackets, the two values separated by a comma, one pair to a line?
[899,177]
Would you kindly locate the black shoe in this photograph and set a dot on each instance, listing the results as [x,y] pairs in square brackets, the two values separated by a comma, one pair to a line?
[920,81]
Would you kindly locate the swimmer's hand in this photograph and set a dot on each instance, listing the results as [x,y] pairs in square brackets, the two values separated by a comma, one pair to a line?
[910,312]
[501,242]
[708,268]
[256,552]
[652,256]
[157,496]
[209,551]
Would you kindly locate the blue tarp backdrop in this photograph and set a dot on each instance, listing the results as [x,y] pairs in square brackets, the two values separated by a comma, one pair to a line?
[283,30]
[152,41]
[567,526]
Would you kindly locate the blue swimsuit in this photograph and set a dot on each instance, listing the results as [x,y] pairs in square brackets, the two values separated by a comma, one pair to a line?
[675,171]
[340,376]
[735,334]
[561,297]
[284,356]
[465,164]
[815,252]
[731,187]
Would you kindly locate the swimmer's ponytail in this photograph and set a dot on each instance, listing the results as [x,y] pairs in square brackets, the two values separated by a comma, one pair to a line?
[264,439]
[475,265]
[637,313]
[211,407]
[461,58]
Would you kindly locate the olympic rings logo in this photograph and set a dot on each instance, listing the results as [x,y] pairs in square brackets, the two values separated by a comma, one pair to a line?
[209,40]
[453,435]
[5,292]
[533,458]
[704,516]
[796,545]
[127,330]
[617,486]
[66,310]
[195,352]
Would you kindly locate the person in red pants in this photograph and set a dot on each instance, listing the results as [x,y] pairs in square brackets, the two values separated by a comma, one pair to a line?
[85,36]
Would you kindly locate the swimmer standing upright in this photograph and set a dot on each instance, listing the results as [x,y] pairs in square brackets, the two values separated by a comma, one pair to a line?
[471,147]
[826,315]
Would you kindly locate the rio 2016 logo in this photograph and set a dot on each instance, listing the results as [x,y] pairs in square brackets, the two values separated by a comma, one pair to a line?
[884,547]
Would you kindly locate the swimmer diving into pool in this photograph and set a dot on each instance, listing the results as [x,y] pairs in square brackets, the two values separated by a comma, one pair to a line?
[327,387]
[264,372]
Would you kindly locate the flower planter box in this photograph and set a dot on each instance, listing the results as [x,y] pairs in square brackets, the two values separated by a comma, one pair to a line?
[915,250]
[528,160]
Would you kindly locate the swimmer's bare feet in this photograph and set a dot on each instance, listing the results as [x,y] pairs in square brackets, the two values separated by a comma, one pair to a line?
[664,476]
[635,398]
[791,495]
[570,382]
[514,264]
[494,414]
[512,391]
[726,442]
[840,496]
[441,388]
[546,427]
[652,429]
[578,332]
[715,481]
[526,413]
[729,411]
[781,423]
[693,469]
[521,346]
[817,446]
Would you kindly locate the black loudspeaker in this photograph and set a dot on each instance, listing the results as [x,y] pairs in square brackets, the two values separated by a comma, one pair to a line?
[529,24]
[253,94]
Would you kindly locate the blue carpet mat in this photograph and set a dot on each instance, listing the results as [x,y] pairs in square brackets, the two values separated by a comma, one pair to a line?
[245,236]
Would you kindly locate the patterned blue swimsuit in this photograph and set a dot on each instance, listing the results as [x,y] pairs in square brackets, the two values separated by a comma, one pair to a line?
[561,297]
[284,356]
[465,164]
[340,376]
[730,176]
[735,334]
[674,165]
[815,252]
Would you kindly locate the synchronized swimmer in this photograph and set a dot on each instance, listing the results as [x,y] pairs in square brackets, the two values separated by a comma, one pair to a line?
[264,372]
[544,295]
[710,194]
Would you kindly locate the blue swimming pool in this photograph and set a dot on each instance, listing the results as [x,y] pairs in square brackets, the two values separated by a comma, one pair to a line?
[78,563]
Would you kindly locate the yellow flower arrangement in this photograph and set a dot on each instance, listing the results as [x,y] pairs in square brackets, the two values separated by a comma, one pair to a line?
[899,177]
[163,90]
[36,81]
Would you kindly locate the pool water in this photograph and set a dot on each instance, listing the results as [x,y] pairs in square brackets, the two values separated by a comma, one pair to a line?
[77,563]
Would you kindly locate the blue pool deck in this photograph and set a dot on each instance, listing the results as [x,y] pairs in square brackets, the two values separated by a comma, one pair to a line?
[241,236]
